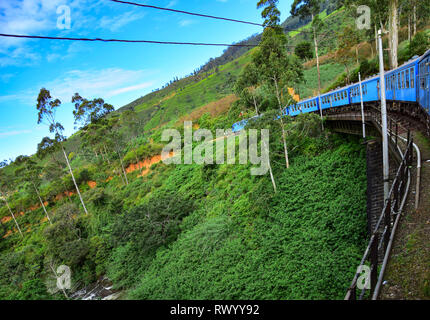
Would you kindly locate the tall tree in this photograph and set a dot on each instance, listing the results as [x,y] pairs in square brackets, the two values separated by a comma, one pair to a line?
[393,28]
[130,121]
[54,169]
[246,87]
[275,69]
[6,187]
[47,108]
[30,173]
[270,13]
[89,111]
[347,39]
[303,9]
[115,140]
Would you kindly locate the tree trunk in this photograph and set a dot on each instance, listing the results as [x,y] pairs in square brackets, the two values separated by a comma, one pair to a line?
[270,168]
[376,41]
[415,18]
[356,54]
[14,219]
[41,202]
[255,104]
[347,72]
[284,138]
[73,178]
[318,71]
[106,153]
[394,33]
[409,28]
[123,169]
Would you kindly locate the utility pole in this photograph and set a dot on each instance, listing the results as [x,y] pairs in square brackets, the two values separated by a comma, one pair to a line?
[362,107]
[386,164]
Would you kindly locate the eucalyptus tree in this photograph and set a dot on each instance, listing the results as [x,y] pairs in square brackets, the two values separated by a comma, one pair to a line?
[311,8]
[115,139]
[47,108]
[246,87]
[277,71]
[347,39]
[30,173]
[6,187]
[89,111]
[130,121]
[54,169]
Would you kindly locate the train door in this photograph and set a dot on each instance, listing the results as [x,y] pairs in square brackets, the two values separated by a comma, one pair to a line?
[427,92]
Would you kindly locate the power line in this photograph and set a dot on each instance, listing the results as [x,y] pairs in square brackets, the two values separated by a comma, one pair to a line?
[203,15]
[187,12]
[127,41]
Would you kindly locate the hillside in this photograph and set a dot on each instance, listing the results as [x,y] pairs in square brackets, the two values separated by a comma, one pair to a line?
[162,231]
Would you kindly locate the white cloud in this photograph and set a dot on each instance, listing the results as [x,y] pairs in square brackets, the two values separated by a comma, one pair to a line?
[13,133]
[171,3]
[6,77]
[132,88]
[116,23]
[35,17]
[186,22]
[104,83]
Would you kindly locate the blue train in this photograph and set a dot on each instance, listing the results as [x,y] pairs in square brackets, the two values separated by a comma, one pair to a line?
[408,84]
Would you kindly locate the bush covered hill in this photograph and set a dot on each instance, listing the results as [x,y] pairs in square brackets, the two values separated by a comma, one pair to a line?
[189,231]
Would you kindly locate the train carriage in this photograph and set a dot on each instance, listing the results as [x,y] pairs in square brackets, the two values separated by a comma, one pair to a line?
[408,83]
[424,81]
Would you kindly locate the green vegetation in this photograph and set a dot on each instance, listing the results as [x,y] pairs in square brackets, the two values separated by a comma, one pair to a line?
[299,244]
[191,231]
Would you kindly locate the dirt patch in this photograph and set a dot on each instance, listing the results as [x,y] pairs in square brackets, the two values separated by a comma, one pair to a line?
[92,184]
[8,233]
[33,208]
[6,219]
[214,108]
[144,165]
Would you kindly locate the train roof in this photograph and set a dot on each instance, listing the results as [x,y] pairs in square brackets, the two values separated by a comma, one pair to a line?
[425,55]
[371,78]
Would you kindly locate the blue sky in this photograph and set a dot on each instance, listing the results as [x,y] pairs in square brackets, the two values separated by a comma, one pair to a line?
[118,73]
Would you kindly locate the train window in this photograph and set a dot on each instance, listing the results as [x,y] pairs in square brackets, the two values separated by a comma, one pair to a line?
[412,77]
[407,79]
[403,80]
[399,84]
